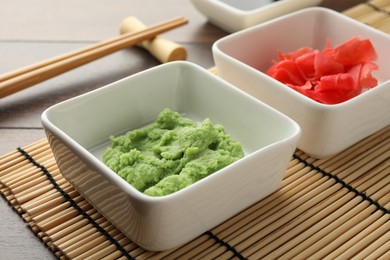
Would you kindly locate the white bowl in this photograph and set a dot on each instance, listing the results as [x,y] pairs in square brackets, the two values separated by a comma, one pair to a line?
[78,131]
[235,15]
[242,59]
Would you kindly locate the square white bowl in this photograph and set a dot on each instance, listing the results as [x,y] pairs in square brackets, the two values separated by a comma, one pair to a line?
[78,130]
[242,59]
[235,15]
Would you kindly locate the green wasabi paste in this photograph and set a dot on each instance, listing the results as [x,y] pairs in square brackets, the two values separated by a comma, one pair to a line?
[171,153]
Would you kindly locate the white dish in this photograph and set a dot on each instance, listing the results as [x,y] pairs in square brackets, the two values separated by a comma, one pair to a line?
[235,15]
[242,59]
[78,130]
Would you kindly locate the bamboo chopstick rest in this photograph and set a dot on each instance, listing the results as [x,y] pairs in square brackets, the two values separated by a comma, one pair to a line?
[162,49]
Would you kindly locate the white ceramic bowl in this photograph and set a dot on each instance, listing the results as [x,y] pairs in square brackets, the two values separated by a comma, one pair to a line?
[235,15]
[242,59]
[78,131]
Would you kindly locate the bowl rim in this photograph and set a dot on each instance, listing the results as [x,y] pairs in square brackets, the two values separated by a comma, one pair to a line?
[241,12]
[126,187]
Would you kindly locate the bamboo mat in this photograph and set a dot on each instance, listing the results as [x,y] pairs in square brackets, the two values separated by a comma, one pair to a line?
[337,207]
[375,13]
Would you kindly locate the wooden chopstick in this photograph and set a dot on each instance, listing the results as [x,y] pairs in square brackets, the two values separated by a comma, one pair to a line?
[20,79]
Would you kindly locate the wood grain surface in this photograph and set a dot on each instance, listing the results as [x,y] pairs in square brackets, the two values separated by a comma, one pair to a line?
[33,30]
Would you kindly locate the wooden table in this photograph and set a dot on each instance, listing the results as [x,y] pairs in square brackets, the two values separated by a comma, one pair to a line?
[33,30]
